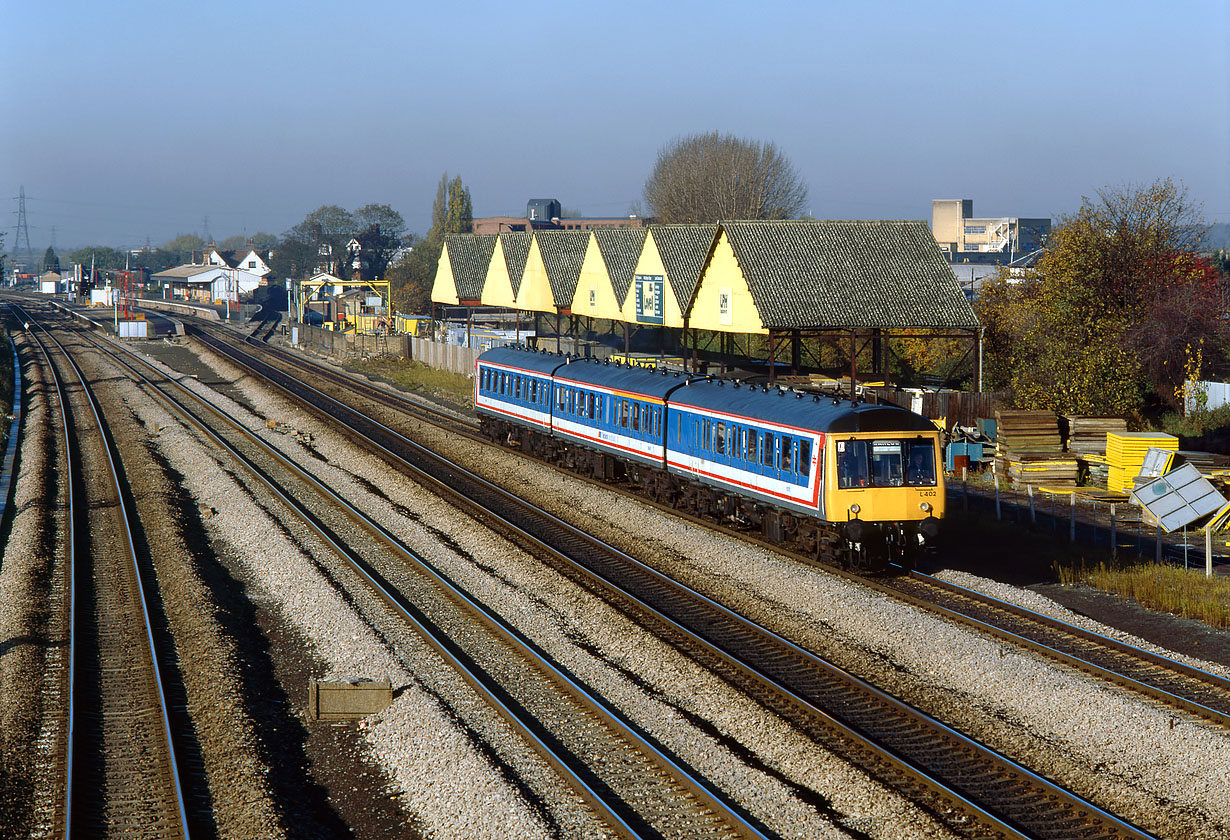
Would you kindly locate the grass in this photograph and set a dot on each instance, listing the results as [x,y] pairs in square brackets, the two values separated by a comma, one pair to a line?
[1024,557]
[418,378]
[1182,592]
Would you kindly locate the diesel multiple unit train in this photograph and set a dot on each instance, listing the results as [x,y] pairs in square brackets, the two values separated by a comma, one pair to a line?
[849,482]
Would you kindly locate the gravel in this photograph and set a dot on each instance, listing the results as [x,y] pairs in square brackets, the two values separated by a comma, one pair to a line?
[1155,767]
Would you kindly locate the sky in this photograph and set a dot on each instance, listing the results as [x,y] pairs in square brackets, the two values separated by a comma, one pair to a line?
[133,121]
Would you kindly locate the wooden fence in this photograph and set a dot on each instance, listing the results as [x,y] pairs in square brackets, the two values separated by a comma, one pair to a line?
[957,408]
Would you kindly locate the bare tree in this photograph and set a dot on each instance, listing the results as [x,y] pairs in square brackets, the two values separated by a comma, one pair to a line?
[712,177]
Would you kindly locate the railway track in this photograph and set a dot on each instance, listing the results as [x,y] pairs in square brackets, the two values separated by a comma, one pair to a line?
[635,787]
[1180,686]
[118,764]
[974,790]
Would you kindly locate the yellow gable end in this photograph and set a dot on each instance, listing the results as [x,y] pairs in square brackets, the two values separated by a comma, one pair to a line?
[595,297]
[497,285]
[723,301]
[534,295]
[648,267]
[444,289]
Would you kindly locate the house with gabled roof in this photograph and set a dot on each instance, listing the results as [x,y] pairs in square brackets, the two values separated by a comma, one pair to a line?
[254,263]
[607,271]
[505,270]
[462,269]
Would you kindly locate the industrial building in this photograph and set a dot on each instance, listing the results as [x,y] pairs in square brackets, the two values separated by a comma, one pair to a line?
[963,238]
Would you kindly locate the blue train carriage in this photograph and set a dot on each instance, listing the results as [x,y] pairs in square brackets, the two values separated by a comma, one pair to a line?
[830,476]
[513,391]
[612,418]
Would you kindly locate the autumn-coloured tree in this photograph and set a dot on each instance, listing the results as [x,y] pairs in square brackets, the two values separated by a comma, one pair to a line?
[413,276]
[1102,323]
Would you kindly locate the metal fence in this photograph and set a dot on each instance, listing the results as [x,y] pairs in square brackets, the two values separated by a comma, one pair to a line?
[1115,527]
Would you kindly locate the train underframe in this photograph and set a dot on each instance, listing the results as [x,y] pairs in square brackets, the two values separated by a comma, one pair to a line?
[861,546]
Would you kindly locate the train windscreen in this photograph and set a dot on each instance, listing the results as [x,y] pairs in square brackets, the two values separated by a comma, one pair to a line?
[885,463]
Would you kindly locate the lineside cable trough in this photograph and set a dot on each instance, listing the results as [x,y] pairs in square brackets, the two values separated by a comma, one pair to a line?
[348,699]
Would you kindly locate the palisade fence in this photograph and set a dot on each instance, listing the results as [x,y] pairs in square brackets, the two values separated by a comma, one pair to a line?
[1116,528]
[341,346]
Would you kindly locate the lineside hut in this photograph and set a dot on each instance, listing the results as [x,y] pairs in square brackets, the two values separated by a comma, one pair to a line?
[666,276]
[551,273]
[853,280]
[461,272]
[606,274]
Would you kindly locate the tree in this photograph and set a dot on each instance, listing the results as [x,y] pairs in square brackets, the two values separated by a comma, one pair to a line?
[713,176]
[184,245]
[240,243]
[389,220]
[413,276]
[51,262]
[460,217]
[376,248]
[316,243]
[101,256]
[1111,316]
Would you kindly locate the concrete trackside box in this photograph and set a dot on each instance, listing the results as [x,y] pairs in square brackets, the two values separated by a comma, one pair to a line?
[347,699]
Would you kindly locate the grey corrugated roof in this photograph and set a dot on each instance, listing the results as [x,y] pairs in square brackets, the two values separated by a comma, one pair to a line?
[469,255]
[620,249]
[563,252]
[684,249]
[516,251]
[865,274]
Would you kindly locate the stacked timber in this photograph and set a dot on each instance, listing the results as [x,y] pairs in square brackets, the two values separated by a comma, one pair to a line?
[1087,435]
[1207,462]
[1029,450]
[1125,455]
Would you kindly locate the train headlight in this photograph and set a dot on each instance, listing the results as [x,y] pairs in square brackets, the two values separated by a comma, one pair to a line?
[854,509]
[926,507]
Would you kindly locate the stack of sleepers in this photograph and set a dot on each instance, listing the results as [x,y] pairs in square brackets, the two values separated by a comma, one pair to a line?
[1087,435]
[1029,449]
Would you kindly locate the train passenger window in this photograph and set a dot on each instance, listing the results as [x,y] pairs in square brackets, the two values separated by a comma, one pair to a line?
[533,390]
[766,454]
[516,387]
[623,414]
[805,457]
[719,438]
[636,418]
